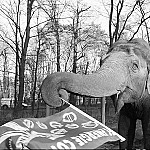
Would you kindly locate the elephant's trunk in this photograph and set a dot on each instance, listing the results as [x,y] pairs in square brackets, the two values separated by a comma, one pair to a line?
[110,79]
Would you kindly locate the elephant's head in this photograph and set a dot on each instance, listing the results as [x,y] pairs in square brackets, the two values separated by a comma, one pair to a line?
[124,72]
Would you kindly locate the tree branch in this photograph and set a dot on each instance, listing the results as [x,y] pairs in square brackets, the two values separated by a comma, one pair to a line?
[142,21]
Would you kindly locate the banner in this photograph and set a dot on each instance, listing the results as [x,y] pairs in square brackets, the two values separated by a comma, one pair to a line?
[68,129]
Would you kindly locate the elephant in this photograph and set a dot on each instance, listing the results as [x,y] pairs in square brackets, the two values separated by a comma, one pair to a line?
[124,72]
[128,116]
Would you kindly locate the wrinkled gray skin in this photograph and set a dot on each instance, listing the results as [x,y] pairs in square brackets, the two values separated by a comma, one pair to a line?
[128,116]
[125,72]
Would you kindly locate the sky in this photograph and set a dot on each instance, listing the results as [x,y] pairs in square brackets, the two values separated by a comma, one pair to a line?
[96,11]
[98,7]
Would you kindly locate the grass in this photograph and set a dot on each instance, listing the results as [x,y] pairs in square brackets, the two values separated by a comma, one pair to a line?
[7,115]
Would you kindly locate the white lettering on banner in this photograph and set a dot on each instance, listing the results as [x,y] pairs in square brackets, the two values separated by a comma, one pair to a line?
[69,117]
[102,132]
[41,125]
[58,131]
[72,126]
[84,138]
[99,133]
[90,124]
[15,126]
[55,124]
[72,146]
[28,123]
[78,140]
[61,145]
[111,133]
[90,134]
[64,144]
[26,137]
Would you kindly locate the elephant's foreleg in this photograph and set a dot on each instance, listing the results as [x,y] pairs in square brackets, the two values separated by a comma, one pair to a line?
[146,126]
[127,126]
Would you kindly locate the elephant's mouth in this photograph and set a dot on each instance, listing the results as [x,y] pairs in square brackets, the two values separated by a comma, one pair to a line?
[127,96]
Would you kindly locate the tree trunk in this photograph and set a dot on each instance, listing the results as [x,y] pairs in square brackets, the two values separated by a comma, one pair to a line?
[16,77]
[17,59]
[23,55]
[74,69]
[110,22]
[58,48]
[35,76]
[75,40]
[36,66]
[21,84]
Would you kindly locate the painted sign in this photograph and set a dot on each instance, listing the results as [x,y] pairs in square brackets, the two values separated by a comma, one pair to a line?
[68,129]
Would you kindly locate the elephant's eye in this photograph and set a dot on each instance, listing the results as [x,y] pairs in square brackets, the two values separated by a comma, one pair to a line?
[135,66]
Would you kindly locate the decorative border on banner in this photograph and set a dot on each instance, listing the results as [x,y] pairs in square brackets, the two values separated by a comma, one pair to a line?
[93,119]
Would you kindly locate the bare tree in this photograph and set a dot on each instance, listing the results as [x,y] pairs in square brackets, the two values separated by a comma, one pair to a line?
[144,18]
[51,9]
[75,29]
[20,43]
[36,65]
[110,23]
[119,25]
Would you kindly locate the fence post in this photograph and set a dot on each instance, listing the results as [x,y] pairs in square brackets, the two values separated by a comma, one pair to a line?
[47,110]
[103,102]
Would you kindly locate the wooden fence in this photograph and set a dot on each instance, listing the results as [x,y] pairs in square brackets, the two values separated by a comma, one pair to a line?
[92,110]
